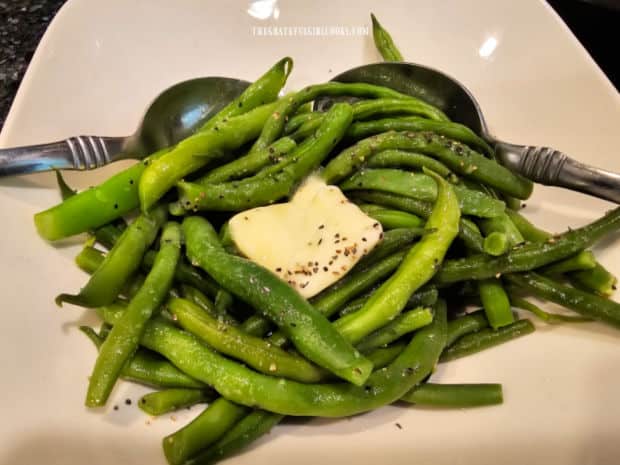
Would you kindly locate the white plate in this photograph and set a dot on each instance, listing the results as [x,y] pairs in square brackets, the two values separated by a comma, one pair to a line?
[99,65]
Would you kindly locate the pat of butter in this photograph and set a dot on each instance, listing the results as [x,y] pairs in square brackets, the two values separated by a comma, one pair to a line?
[310,242]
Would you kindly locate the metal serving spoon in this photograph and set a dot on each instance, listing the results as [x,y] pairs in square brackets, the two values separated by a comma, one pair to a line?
[540,164]
[173,115]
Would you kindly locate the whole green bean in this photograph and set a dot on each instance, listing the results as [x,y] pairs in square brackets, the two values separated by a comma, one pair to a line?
[160,402]
[531,255]
[203,431]
[195,296]
[245,386]
[262,190]
[420,186]
[249,429]
[584,303]
[456,156]
[383,41]
[119,264]
[455,395]
[456,131]
[468,231]
[404,159]
[383,356]
[297,121]
[425,297]
[149,368]
[485,339]
[418,267]
[405,323]
[308,330]
[393,241]
[470,323]
[254,351]
[249,164]
[122,341]
[383,106]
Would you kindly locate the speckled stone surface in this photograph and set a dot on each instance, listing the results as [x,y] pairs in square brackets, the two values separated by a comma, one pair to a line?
[22,23]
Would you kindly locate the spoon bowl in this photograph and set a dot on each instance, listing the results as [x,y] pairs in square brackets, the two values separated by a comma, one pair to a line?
[540,164]
[175,114]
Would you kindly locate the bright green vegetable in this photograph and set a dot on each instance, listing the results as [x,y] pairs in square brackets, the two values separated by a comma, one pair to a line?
[495,302]
[551,318]
[496,244]
[254,351]
[584,303]
[486,338]
[404,159]
[418,267]
[531,255]
[425,297]
[383,41]
[160,402]
[403,324]
[470,323]
[120,263]
[122,342]
[308,330]
[456,156]
[583,260]
[455,395]
[421,186]
[392,219]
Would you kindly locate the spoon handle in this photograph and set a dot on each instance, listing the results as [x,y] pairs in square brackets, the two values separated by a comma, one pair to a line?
[554,168]
[75,153]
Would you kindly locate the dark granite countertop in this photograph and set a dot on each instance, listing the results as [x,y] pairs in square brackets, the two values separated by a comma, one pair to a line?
[22,23]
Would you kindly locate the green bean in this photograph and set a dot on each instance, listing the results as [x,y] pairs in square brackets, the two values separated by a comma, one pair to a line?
[197,151]
[261,190]
[485,339]
[418,267]
[249,429]
[383,41]
[383,356]
[470,323]
[245,386]
[198,298]
[308,330]
[383,106]
[495,302]
[404,159]
[468,231]
[547,317]
[275,124]
[456,156]
[160,402]
[456,131]
[264,90]
[119,264]
[583,260]
[122,341]
[531,255]
[392,219]
[496,244]
[393,241]
[403,324]
[149,368]
[455,395]
[94,207]
[295,122]
[204,430]
[597,280]
[249,164]
[331,299]
[254,351]
[420,186]
[425,297]
[584,303]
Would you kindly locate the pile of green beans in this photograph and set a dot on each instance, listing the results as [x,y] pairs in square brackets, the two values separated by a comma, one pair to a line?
[185,314]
